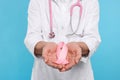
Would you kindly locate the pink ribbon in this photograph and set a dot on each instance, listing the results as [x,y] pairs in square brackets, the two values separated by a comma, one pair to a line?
[61,53]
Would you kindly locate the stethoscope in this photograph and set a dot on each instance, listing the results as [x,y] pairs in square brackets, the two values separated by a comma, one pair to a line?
[78,4]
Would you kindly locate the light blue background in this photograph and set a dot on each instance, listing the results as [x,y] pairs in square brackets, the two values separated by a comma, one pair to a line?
[16,62]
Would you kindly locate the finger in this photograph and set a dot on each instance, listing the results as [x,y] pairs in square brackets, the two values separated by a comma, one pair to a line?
[45,55]
[70,59]
[78,56]
[53,64]
[62,70]
[59,66]
[70,65]
[49,63]
[67,57]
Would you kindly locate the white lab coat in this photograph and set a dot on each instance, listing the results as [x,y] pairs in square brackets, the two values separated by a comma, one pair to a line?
[38,30]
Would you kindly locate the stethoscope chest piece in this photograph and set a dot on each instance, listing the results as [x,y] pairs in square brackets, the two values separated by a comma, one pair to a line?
[51,35]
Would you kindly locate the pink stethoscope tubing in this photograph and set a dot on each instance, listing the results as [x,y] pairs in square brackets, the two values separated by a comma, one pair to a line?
[78,4]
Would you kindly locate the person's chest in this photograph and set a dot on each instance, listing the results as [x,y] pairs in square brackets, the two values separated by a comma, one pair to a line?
[61,17]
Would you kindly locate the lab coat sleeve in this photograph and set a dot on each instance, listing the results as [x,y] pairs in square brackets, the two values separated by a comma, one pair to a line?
[91,33]
[34,34]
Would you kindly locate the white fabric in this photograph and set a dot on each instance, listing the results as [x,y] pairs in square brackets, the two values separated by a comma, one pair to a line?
[38,30]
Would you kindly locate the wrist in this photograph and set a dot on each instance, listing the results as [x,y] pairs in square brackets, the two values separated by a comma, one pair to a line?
[39,47]
[84,49]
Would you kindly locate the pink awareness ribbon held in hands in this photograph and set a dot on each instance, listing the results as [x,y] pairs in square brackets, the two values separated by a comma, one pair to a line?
[61,53]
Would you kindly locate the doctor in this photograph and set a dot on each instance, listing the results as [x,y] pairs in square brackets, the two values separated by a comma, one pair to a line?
[72,22]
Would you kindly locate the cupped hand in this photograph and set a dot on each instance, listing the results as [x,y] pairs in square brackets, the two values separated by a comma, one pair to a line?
[49,55]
